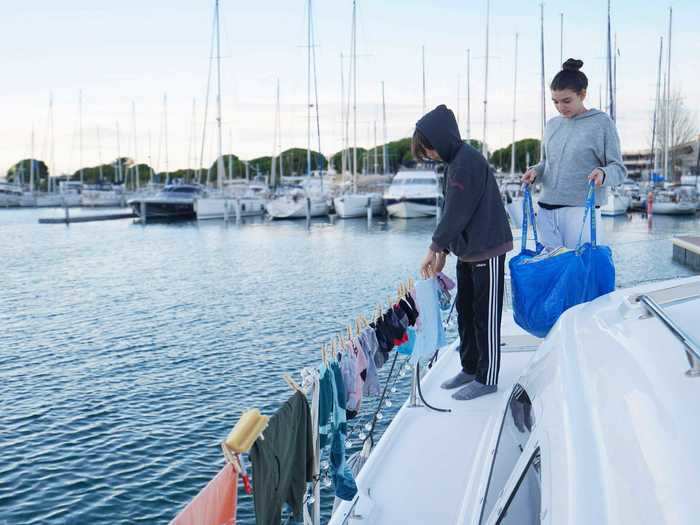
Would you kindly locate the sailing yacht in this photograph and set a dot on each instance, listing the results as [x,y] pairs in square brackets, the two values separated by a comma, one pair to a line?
[678,200]
[103,195]
[10,194]
[589,425]
[633,192]
[350,205]
[353,203]
[617,204]
[413,193]
[239,198]
[298,198]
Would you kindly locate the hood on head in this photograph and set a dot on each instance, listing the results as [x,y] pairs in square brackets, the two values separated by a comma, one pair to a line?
[439,126]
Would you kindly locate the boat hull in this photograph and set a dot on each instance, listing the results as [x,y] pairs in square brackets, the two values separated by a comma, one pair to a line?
[171,211]
[355,205]
[410,208]
[674,208]
[220,208]
[295,209]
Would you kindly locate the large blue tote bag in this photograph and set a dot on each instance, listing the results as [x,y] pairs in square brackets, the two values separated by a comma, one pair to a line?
[544,289]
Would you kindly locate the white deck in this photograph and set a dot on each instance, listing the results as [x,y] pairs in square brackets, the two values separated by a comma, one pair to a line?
[442,448]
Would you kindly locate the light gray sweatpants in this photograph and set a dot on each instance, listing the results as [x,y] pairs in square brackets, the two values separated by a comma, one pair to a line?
[561,227]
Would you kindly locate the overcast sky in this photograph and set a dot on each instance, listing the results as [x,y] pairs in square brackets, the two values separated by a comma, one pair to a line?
[137,51]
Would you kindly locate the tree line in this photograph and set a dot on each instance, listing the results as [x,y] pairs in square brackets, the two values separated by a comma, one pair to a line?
[292,161]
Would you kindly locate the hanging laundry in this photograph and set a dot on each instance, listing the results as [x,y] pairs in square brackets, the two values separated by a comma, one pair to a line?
[395,328]
[283,462]
[410,312]
[353,386]
[215,504]
[431,334]
[361,359]
[335,422]
[326,405]
[407,347]
[368,344]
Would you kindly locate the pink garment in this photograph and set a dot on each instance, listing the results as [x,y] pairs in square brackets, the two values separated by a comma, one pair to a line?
[215,504]
[361,361]
[445,282]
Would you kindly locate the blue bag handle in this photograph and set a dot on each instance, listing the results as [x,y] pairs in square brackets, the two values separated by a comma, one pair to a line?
[528,211]
[590,208]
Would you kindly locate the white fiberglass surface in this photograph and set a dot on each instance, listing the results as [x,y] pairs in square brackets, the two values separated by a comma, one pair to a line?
[421,474]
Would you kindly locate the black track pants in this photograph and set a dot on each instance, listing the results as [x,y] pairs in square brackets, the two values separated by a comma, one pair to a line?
[479,309]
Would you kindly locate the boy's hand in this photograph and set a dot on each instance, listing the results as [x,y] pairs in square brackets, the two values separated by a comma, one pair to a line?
[440,259]
[427,267]
[529,177]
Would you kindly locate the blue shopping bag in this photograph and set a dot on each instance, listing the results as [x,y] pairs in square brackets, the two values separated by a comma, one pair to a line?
[544,289]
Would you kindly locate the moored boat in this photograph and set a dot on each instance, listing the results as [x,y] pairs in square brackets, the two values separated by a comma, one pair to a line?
[413,194]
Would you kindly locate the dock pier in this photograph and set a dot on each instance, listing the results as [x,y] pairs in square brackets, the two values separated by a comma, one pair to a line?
[686,250]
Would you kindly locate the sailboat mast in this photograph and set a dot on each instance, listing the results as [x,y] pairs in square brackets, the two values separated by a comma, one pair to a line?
[99,154]
[275,144]
[425,108]
[561,38]
[31,164]
[611,100]
[53,145]
[219,159]
[344,153]
[484,148]
[354,96]
[376,158]
[515,94]
[308,91]
[469,105]
[384,146]
[165,135]
[543,109]
[316,106]
[655,157]
[137,175]
[118,163]
[667,119]
[230,156]
[80,134]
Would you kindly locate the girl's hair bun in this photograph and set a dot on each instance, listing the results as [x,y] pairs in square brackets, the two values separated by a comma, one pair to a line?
[572,65]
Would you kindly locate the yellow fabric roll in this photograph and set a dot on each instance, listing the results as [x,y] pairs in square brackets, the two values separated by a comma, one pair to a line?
[246,431]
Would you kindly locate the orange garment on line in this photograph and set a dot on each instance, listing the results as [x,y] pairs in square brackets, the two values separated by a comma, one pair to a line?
[215,504]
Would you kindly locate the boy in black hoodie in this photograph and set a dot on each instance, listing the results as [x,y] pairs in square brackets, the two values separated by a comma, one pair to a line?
[474,227]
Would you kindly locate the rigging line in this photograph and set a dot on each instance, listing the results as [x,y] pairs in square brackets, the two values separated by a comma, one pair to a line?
[370,434]
[206,101]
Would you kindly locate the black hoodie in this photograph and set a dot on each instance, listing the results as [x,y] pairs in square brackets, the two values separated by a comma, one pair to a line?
[474,225]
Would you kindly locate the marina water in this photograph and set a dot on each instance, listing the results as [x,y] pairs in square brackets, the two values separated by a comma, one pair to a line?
[128,352]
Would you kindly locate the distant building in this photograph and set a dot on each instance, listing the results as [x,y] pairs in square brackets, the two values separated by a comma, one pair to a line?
[685,159]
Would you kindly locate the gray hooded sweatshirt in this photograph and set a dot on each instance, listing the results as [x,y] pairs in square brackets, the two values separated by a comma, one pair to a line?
[573,148]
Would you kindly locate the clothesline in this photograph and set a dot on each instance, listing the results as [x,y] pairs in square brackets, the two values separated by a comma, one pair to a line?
[411,325]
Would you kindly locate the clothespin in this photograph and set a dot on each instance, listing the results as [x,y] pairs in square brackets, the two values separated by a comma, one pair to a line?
[349,333]
[390,301]
[292,384]
[323,355]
